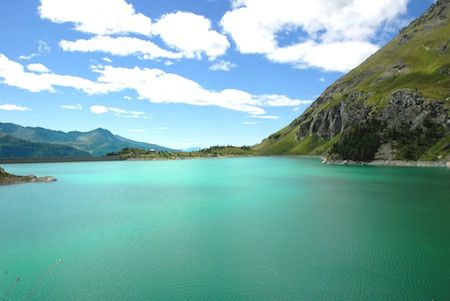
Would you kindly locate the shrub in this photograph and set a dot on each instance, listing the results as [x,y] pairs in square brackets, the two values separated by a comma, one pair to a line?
[359,143]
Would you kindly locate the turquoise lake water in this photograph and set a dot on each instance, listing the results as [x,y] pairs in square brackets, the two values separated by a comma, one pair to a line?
[226,229]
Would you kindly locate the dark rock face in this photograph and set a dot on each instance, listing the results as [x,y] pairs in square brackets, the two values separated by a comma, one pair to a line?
[332,121]
[411,108]
[407,111]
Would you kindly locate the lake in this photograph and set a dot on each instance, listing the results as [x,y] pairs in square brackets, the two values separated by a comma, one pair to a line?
[225,229]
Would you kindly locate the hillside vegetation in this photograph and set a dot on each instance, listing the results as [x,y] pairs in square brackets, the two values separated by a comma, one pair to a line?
[11,147]
[395,105]
[211,152]
[97,142]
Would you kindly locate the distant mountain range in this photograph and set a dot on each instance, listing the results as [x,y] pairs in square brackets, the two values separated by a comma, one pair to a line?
[192,149]
[394,106]
[18,141]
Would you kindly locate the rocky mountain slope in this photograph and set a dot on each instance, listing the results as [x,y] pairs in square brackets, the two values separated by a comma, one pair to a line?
[394,106]
[98,142]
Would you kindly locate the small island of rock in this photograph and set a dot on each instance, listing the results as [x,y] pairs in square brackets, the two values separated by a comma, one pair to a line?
[9,179]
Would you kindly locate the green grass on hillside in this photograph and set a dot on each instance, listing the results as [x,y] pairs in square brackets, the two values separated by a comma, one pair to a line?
[418,59]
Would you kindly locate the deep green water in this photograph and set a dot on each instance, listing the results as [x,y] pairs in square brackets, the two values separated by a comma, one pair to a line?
[226,229]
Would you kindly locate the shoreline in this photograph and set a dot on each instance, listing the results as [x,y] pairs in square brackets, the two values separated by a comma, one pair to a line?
[59,160]
[10,179]
[387,163]
[390,163]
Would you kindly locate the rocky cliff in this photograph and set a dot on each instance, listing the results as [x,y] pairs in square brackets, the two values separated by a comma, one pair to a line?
[393,106]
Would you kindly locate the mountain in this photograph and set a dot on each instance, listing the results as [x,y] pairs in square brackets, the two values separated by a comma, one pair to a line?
[98,142]
[11,147]
[395,105]
[192,149]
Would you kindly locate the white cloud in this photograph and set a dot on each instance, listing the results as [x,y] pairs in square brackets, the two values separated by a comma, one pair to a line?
[153,85]
[43,49]
[326,26]
[72,107]
[13,74]
[158,86]
[250,122]
[275,100]
[337,56]
[322,80]
[222,66]
[265,117]
[38,68]
[12,107]
[28,57]
[159,128]
[96,16]
[107,59]
[191,34]
[120,46]
[127,97]
[100,110]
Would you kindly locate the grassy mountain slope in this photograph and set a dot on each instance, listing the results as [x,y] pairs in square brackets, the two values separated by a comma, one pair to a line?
[98,142]
[11,147]
[395,105]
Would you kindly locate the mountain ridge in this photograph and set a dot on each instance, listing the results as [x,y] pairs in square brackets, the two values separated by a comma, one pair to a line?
[12,147]
[97,142]
[394,106]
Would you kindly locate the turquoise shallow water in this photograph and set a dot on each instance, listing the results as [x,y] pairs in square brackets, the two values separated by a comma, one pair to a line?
[226,229]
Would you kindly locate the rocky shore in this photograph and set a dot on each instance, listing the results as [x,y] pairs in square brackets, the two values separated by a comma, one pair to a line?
[9,179]
[441,164]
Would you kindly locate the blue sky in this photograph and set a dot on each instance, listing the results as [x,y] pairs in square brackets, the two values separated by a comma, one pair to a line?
[183,73]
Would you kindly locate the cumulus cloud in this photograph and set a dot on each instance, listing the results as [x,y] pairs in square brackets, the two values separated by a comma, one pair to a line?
[14,74]
[38,68]
[120,46]
[334,35]
[336,56]
[191,34]
[100,110]
[161,87]
[101,17]
[12,107]
[154,85]
[78,107]
[222,66]
[188,34]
